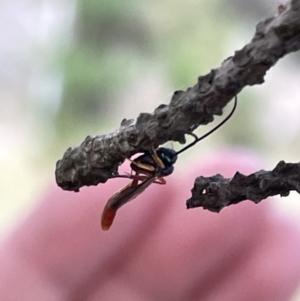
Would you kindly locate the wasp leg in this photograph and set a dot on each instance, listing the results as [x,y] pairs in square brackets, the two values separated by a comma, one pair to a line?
[136,163]
[157,159]
[126,176]
[160,181]
[139,177]
[144,166]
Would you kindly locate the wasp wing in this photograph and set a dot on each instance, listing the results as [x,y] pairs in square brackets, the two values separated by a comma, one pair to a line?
[121,197]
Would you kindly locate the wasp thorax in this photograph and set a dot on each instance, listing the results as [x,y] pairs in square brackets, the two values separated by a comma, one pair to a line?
[167,155]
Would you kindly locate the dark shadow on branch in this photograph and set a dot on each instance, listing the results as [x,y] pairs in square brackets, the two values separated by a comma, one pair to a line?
[97,159]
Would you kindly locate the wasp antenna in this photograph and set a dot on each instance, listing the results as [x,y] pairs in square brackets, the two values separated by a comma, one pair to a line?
[211,131]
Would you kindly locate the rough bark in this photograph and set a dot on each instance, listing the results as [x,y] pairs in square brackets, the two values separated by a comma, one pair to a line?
[215,193]
[97,158]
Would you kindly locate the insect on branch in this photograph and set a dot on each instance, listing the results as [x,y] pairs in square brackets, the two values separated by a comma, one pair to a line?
[97,158]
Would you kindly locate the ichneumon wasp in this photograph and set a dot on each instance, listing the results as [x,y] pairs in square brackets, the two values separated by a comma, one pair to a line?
[150,167]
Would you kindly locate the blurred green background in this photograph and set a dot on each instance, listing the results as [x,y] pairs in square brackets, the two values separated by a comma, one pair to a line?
[77,68]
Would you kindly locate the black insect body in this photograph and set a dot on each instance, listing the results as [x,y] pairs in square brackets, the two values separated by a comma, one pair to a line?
[158,161]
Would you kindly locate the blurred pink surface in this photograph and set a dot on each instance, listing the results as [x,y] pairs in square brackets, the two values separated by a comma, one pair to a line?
[155,249]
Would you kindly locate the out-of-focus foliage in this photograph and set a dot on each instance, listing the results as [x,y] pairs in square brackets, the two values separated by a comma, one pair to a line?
[110,38]
[115,43]
[76,68]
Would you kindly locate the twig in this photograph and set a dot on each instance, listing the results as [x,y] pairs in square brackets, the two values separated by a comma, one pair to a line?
[215,193]
[97,159]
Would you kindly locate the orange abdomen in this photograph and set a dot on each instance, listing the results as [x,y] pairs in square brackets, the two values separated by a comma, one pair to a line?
[107,217]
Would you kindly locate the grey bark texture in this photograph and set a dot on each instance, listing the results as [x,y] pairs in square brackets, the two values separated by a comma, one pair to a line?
[97,158]
[215,193]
